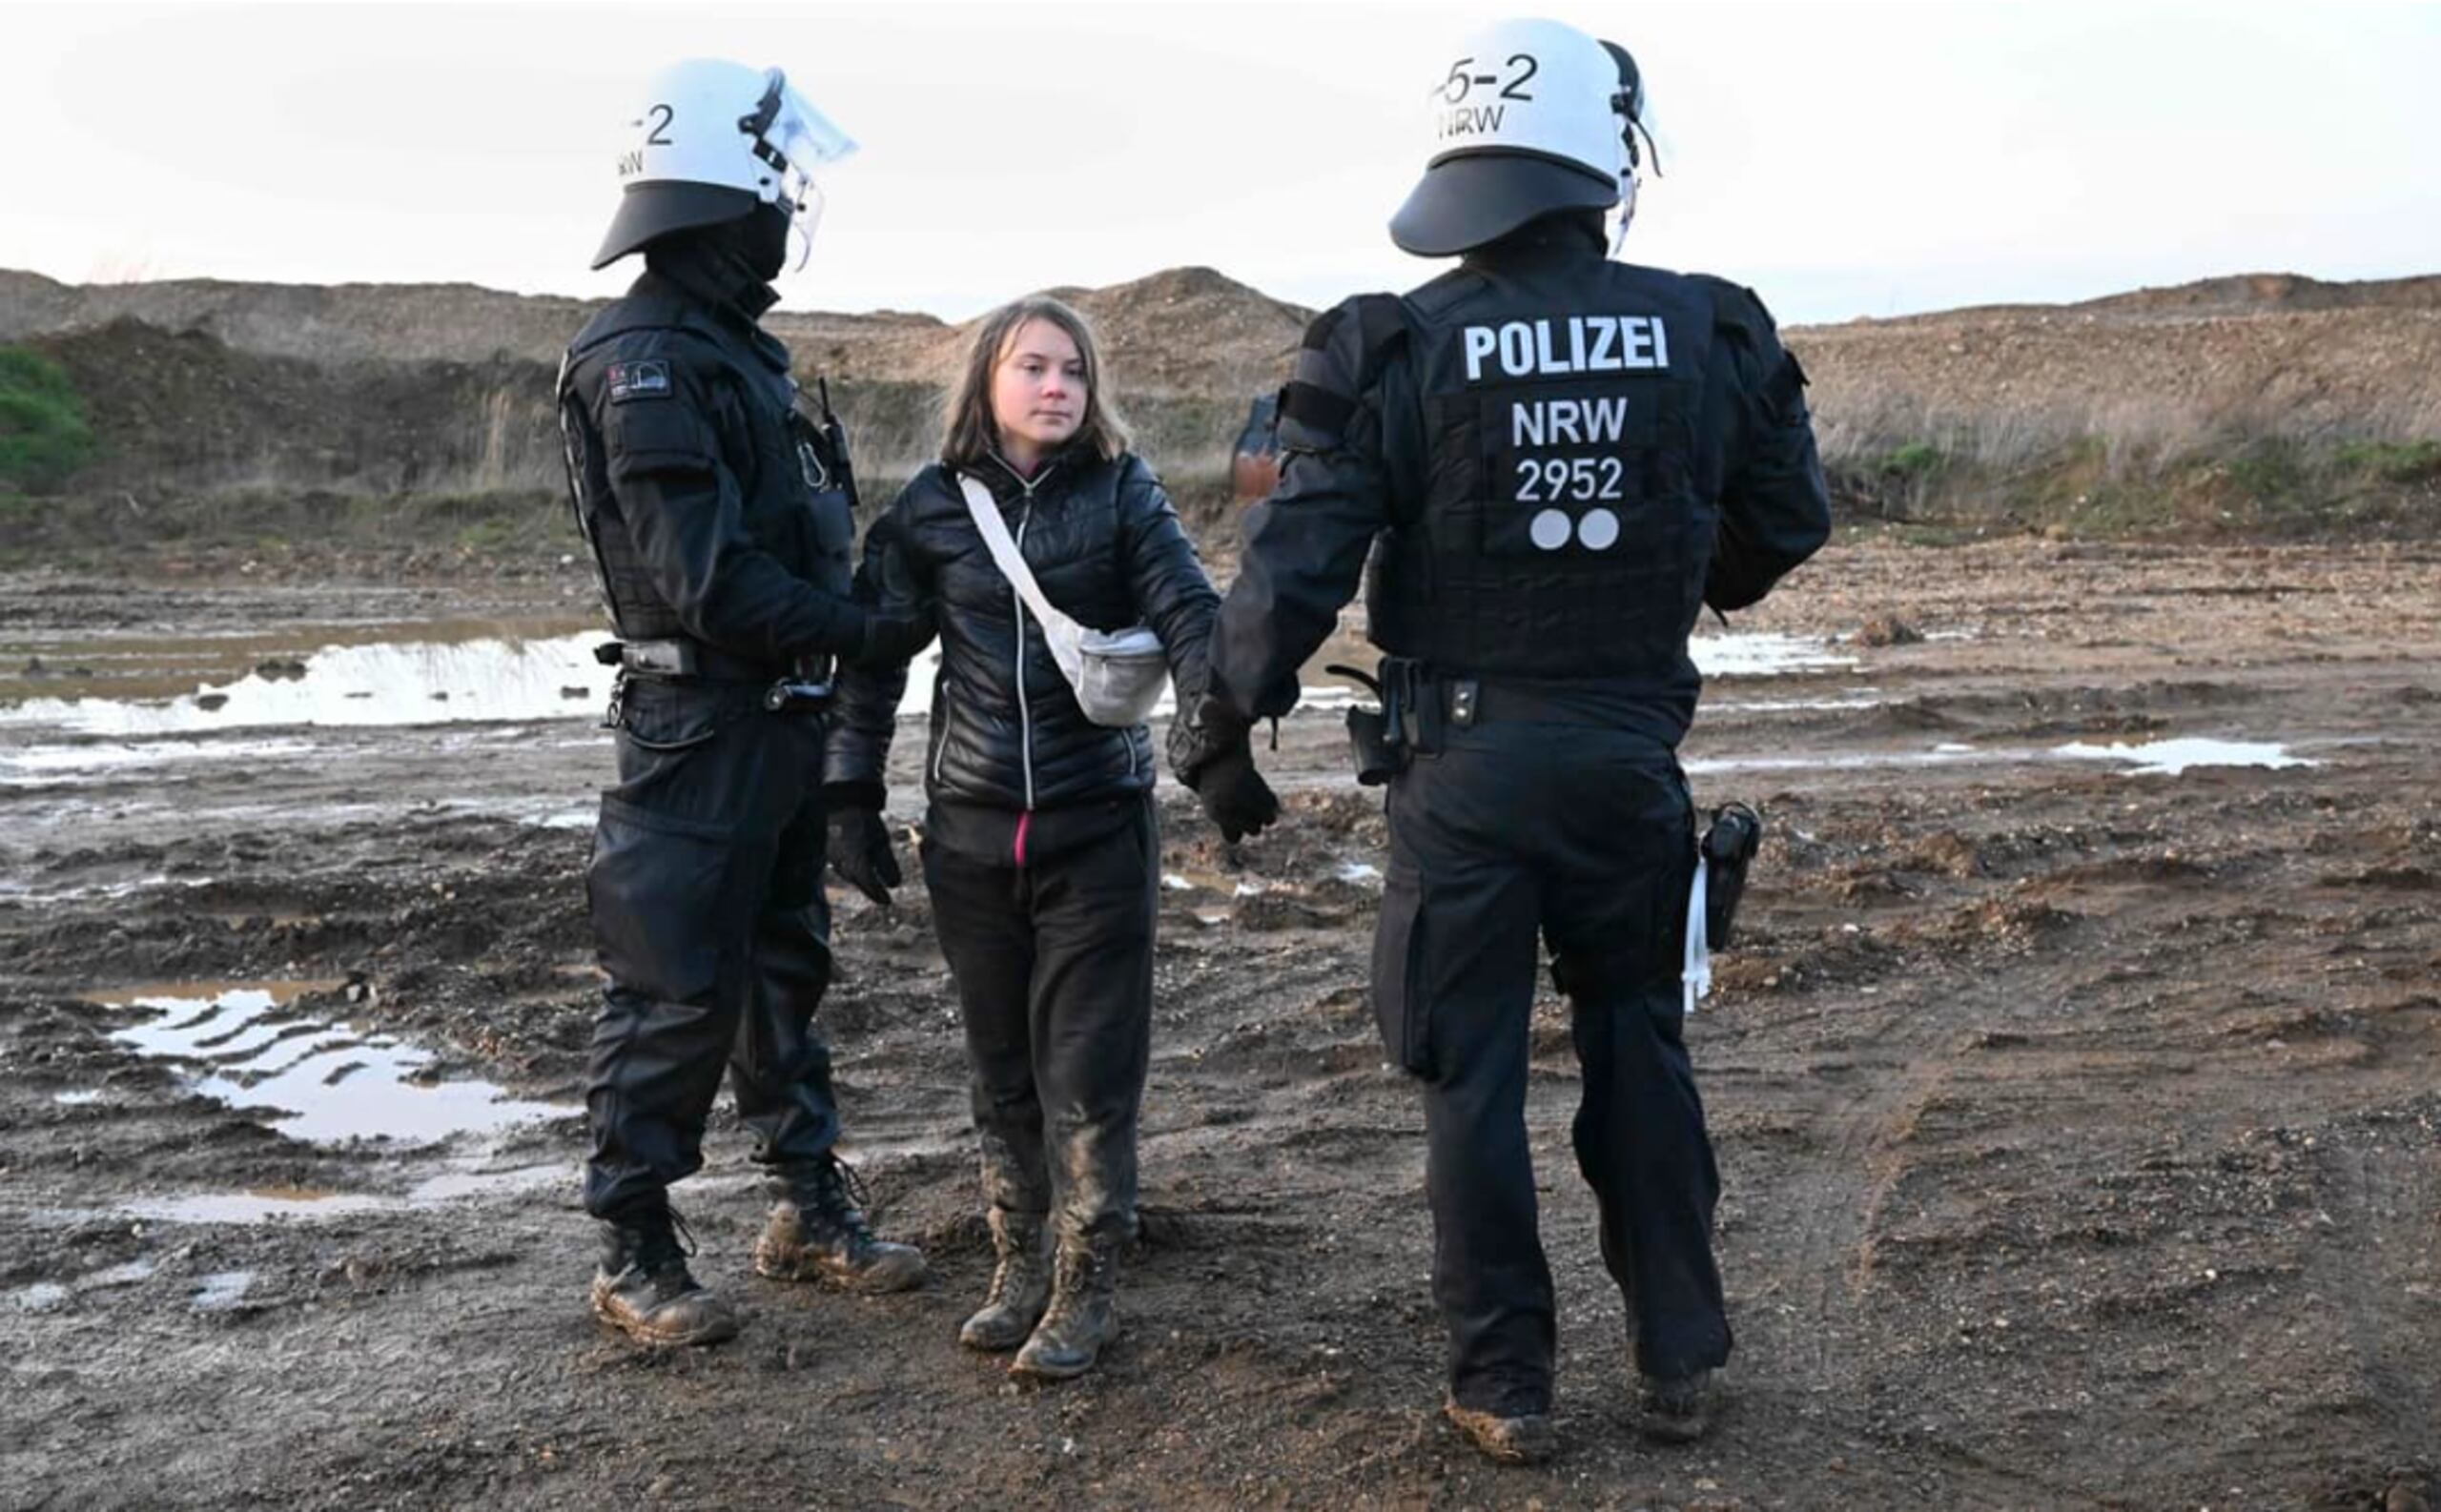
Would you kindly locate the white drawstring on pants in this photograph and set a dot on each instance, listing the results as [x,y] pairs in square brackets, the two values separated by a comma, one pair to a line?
[1695,979]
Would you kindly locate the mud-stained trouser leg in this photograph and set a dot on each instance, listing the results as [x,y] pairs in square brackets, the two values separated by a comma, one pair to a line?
[780,1068]
[980,916]
[1054,964]
[1092,1021]
[1454,987]
[682,867]
[1614,913]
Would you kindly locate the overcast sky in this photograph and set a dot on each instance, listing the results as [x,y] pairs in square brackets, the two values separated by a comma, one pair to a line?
[1845,159]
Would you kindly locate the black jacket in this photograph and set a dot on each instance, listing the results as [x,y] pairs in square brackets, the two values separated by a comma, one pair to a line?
[1363,462]
[1006,733]
[691,486]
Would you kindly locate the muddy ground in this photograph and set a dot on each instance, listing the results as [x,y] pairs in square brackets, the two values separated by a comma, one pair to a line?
[2081,1125]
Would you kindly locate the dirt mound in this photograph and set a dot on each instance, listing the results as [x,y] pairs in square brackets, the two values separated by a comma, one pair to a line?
[1187,330]
[1192,331]
[2269,404]
[184,413]
[2232,294]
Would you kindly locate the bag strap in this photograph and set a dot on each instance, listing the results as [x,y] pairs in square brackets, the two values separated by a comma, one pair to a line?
[986,512]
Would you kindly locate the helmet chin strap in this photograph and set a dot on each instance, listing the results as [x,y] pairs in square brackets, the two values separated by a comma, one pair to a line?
[1627,210]
[1630,177]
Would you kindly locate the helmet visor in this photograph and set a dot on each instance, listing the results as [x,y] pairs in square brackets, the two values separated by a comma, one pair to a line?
[794,137]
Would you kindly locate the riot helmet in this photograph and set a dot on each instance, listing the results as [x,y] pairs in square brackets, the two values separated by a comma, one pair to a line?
[713,143]
[1531,117]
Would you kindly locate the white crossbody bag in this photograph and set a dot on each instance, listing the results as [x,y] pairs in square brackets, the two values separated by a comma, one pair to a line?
[1117,674]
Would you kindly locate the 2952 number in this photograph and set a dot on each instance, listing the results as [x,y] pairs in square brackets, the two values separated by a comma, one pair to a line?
[1582,479]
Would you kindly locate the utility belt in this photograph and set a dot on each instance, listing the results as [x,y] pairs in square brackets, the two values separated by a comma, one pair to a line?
[800,687]
[1415,708]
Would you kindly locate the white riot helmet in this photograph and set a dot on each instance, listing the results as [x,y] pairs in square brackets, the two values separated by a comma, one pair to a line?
[713,142]
[1531,117]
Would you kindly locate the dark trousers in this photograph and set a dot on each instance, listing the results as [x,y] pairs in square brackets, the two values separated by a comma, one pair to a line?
[1054,965]
[1582,837]
[705,889]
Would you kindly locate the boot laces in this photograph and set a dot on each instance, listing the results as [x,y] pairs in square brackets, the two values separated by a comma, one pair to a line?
[663,1243]
[839,1192]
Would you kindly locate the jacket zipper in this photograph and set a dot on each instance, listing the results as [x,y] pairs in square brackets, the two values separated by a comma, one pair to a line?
[948,712]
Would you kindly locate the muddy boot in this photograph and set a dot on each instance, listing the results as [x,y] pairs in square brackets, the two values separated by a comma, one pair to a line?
[1525,1438]
[1676,1411]
[816,1233]
[1083,1315]
[642,1288]
[1021,1287]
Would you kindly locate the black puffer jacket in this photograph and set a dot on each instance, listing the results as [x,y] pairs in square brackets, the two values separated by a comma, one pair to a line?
[1106,546]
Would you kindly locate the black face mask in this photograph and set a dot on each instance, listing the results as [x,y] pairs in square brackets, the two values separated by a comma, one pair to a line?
[763,242]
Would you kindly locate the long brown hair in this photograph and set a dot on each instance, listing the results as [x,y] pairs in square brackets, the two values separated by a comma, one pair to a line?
[971,435]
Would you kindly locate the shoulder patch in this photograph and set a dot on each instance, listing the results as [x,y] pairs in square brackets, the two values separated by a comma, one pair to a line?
[637,381]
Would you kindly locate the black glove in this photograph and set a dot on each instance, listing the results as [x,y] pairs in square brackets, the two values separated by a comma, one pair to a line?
[1211,753]
[860,852]
[1235,796]
[892,640]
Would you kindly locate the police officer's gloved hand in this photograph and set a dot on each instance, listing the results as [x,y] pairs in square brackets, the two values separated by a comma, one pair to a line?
[893,639]
[860,852]
[1211,753]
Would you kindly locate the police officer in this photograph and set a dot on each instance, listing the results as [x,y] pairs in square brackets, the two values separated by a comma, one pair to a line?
[719,517]
[1555,461]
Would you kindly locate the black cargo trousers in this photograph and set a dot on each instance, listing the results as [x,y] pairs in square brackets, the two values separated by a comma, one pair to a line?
[1584,837]
[1054,965]
[706,890]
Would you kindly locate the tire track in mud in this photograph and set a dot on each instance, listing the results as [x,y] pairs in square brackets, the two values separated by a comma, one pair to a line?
[1835,1200]
[2382,1248]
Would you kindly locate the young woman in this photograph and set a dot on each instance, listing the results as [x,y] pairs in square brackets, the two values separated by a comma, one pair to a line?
[1040,850]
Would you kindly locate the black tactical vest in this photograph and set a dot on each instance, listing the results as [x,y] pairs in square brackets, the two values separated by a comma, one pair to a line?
[790,474]
[1567,508]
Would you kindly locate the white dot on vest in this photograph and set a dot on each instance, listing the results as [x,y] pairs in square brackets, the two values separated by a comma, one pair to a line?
[1551,529]
[1599,530]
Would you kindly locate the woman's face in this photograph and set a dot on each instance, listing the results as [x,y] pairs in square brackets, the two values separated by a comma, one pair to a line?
[1037,390]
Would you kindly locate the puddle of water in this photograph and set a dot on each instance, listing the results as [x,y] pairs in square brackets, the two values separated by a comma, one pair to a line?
[2169,758]
[40,1297]
[306,1205]
[221,1291]
[1861,760]
[322,1083]
[2164,758]
[1737,654]
[1863,698]
[1758,654]
[130,1274]
[470,676]
[35,765]
[384,683]
[14,891]
[76,1099]
[1359,871]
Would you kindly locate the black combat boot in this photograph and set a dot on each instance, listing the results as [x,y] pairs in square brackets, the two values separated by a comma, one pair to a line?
[1677,1410]
[1021,1287]
[1523,1438]
[1083,1315]
[642,1288]
[816,1233]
